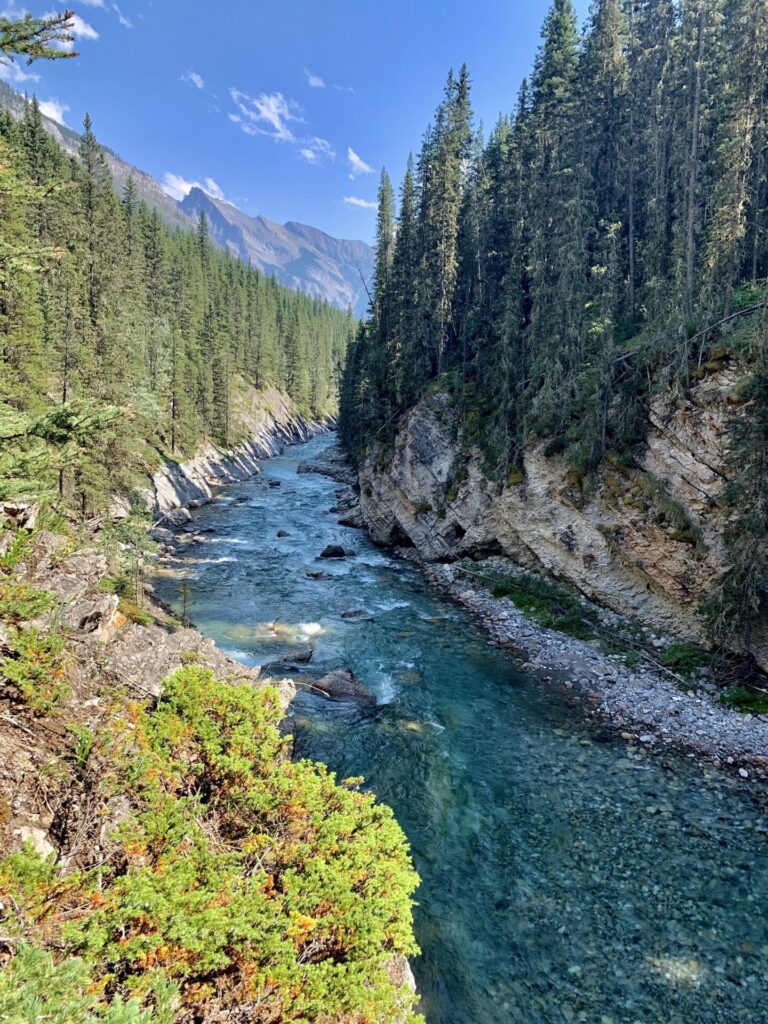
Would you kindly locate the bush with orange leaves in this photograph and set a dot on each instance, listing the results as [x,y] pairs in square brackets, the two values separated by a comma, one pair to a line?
[259,888]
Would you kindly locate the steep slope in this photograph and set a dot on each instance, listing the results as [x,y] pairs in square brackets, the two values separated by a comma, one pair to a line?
[300,256]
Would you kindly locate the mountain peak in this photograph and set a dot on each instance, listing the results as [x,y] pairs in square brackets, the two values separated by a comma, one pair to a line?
[299,255]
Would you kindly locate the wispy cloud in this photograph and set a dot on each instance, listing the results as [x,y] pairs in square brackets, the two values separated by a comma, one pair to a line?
[193,78]
[365,204]
[94,3]
[269,113]
[357,164]
[54,109]
[315,150]
[125,22]
[177,187]
[314,81]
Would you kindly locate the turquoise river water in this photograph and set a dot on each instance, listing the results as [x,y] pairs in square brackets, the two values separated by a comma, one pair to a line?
[566,876]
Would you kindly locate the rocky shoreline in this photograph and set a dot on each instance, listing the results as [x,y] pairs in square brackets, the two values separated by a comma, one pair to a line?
[646,707]
[649,707]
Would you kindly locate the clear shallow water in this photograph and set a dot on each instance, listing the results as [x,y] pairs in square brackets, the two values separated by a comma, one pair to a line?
[565,877]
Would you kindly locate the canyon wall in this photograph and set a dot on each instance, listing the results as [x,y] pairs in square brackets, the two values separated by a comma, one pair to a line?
[645,542]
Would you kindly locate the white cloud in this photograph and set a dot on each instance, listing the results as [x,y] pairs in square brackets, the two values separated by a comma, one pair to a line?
[357,164]
[82,29]
[125,22]
[13,73]
[177,187]
[94,3]
[193,78]
[314,81]
[365,204]
[270,109]
[54,109]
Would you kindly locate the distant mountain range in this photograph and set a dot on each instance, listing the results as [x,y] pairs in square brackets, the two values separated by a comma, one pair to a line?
[301,257]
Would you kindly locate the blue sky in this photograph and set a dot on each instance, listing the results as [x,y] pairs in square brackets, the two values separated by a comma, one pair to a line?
[288,108]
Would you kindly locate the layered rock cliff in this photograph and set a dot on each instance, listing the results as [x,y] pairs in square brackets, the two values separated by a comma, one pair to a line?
[645,542]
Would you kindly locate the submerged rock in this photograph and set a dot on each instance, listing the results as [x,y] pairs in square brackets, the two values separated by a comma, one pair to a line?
[300,657]
[282,533]
[318,574]
[343,684]
[357,615]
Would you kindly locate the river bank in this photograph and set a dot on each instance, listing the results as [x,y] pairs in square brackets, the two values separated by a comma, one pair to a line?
[643,705]
[646,706]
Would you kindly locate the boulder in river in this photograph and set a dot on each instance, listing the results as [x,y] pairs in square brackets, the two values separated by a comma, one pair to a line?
[318,574]
[343,684]
[178,517]
[336,551]
[283,533]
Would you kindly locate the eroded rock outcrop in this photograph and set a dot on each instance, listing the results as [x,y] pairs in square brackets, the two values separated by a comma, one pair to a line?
[645,542]
[269,420]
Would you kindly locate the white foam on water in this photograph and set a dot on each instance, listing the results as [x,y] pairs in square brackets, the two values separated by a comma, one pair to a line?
[390,606]
[210,561]
[310,628]
[387,688]
[435,725]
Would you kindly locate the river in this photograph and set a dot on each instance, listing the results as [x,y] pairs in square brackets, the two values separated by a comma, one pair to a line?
[566,875]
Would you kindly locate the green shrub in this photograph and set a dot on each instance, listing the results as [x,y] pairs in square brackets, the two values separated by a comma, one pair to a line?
[133,611]
[18,602]
[36,666]
[34,989]
[242,877]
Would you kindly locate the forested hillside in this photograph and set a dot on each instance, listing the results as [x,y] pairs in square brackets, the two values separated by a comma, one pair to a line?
[605,243]
[123,342]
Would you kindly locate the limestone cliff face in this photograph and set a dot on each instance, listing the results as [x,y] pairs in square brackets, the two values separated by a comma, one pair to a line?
[269,421]
[645,542]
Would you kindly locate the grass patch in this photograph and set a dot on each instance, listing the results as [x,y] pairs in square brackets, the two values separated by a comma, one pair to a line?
[133,611]
[685,658]
[550,604]
[742,698]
